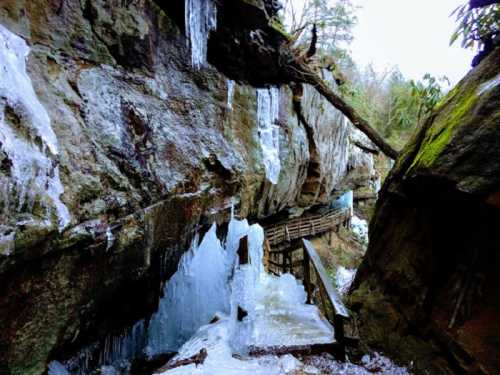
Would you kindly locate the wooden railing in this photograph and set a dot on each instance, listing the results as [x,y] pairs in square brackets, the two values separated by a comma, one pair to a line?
[311,225]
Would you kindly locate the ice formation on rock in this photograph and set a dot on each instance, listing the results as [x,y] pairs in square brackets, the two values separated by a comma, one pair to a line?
[7,243]
[230,93]
[344,278]
[124,347]
[340,145]
[360,228]
[57,368]
[197,291]
[489,85]
[344,202]
[110,238]
[26,136]
[376,184]
[268,104]
[358,158]
[201,18]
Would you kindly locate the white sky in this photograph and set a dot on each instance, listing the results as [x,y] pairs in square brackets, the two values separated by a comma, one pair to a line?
[412,34]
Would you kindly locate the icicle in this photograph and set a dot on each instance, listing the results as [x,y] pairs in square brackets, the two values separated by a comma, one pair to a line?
[32,169]
[110,238]
[56,368]
[201,18]
[268,101]
[230,93]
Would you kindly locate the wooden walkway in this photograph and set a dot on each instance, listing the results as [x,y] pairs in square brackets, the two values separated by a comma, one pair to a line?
[286,250]
[286,231]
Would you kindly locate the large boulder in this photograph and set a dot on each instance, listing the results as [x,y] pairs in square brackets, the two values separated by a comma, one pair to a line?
[427,291]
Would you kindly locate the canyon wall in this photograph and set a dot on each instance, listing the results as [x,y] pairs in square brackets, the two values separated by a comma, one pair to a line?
[114,150]
[427,290]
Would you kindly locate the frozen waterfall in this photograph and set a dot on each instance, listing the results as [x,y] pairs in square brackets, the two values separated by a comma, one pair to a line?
[277,312]
[268,104]
[201,18]
[197,291]
[26,136]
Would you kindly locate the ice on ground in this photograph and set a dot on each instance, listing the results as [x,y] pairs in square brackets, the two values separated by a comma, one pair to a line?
[370,364]
[268,103]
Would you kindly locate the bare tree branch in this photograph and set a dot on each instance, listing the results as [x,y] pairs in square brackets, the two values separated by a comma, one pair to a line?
[305,74]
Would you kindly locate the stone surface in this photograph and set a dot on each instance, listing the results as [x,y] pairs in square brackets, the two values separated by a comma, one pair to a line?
[148,152]
[427,289]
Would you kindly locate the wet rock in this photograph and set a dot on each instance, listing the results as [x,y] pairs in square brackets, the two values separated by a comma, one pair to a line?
[431,267]
[147,153]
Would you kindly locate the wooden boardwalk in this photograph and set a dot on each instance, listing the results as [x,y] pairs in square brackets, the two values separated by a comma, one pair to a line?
[286,250]
[287,231]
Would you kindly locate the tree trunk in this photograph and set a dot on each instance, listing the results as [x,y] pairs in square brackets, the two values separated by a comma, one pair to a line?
[305,74]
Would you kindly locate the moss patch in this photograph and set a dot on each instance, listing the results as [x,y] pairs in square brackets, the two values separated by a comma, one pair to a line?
[440,134]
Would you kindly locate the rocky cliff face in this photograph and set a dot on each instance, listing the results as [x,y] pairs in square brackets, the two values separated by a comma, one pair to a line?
[114,149]
[427,290]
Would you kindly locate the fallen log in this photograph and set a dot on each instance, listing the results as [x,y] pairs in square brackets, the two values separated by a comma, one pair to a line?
[295,350]
[196,359]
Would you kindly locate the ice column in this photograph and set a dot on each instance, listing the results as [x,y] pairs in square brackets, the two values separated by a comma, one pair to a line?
[345,201]
[201,18]
[230,93]
[197,291]
[26,135]
[268,101]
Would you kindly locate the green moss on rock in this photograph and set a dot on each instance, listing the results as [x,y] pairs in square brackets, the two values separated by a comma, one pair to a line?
[441,132]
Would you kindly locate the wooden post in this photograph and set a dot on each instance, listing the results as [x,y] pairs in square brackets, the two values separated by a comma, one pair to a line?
[267,252]
[307,275]
[288,261]
[243,250]
[338,325]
